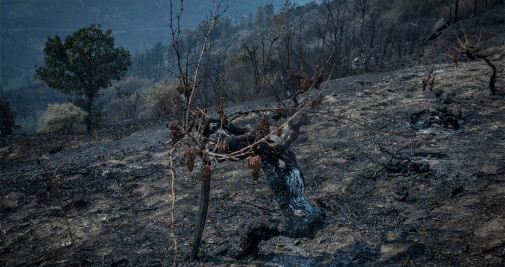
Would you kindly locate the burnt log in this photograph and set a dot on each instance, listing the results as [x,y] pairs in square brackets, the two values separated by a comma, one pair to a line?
[285,179]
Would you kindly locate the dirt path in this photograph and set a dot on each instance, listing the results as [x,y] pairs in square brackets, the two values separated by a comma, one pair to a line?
[449,210]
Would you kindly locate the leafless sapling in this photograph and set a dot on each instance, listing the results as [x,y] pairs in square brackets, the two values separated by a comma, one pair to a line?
[471,51]
[209,139]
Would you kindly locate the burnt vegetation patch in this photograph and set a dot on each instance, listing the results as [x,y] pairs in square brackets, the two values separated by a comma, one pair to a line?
[314,169]
[427,119]
[445,115]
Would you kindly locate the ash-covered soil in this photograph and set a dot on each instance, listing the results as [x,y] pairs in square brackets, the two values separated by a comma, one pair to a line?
[428,195]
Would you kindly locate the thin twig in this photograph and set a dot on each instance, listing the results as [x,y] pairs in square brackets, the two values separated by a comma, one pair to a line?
[172,208]
[51,179]
[260,207]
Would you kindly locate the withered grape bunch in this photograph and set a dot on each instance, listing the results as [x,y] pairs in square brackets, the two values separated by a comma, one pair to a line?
[175,133]
[190,156]
[265,126]
[254,163]
[207,171]
[222,147]
[200,115]
[185,89]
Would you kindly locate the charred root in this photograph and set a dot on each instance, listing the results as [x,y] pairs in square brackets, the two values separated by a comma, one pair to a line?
[259,230]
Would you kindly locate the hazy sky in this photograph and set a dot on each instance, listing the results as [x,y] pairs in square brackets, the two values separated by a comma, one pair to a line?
[67,15]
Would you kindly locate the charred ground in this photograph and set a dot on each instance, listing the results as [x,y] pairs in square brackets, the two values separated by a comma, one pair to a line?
[433,199]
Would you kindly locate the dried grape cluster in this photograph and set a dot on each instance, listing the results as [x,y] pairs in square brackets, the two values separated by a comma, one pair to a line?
[207,171]
[305,80]
[185,89]
[222,147]
[254,163]
[265,126]
[190,156]
[200,114]
[199,117]
[175,133]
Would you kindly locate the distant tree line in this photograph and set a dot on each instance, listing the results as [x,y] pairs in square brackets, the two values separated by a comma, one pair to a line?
[358,36]
[260,54]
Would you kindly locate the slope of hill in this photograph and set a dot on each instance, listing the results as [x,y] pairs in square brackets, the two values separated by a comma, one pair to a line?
[429,194]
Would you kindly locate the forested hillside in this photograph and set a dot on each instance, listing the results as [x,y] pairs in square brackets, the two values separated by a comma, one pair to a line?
[254,57]
[138,25]
[263,43]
